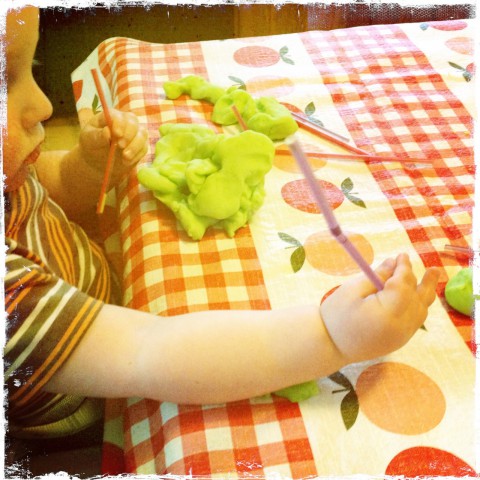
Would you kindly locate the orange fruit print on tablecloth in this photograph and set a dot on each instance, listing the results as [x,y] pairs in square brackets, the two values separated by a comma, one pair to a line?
[285,161]
[428,462]
[394,396]
[399,398]
[463,45]
[448,26]
[270,86]
[298,195]
[77,86]
[324,253]
[260,56]
[256,56]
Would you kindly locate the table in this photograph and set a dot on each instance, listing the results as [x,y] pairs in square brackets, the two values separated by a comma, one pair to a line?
[391,89]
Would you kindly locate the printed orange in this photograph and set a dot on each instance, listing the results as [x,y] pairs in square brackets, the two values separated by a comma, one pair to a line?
[284,160]
[325,253]
[428,462]
[400,399]
[297,194]
[270,86]
[256,56]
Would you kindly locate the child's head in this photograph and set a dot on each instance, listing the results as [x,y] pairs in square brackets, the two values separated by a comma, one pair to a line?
[27,105]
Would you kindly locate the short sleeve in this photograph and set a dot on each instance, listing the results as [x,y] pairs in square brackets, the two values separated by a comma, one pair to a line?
[46,319]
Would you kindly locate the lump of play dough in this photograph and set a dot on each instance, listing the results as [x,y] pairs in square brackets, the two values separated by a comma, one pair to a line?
[264,115]
[272,119]
[459,291]
[208,179]
[222,110]
[300,392]
[196,87]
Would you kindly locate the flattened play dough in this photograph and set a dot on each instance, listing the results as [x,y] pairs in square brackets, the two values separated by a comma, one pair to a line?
[459,291]
[300,392]
[209,179]
[264,115]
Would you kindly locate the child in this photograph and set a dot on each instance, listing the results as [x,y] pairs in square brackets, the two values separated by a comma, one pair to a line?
[68,343]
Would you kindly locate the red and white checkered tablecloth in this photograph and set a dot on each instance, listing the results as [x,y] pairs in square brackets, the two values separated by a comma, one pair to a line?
[392,89]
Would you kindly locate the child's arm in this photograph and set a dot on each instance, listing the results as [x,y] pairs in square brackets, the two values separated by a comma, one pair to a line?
[220,356]
[74,178]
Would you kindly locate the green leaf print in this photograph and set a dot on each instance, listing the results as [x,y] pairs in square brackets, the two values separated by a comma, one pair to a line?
[347,187]
[289,239]
[349,407]
[238,82]
[297,258]
[467,75]
[309,112]
[341,380]
[310,109]
[95,104]
[283,56]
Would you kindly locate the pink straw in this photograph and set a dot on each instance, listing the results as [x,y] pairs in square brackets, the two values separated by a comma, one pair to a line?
[314,128]
[305,121]
[111,151]
[455,248]
[334,138]
[327,211]
[360,157]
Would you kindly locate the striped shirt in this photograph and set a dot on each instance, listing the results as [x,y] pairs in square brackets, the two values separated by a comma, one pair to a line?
[55,284]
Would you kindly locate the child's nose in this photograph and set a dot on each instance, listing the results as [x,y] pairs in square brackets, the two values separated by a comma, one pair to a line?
[39,110]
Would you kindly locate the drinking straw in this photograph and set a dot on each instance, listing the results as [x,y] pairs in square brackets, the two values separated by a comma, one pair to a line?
[365,158]
[320,131]
[239,117]
[314,128]
[305,120]
[327,211]
[455,248]
[111,151]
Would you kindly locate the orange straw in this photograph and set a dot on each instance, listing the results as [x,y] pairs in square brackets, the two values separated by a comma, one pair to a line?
[239,117]
[111,151]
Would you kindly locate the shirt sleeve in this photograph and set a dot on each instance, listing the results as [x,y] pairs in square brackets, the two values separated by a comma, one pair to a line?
[46,318]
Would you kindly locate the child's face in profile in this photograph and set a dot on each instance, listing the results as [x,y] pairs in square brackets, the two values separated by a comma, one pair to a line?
[27,105]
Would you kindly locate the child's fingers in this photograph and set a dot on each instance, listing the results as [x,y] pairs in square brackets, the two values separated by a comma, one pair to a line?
[364,287]
[124,127]
[130,136]
[403,272]
[400,287]
[427,288]
[137,148]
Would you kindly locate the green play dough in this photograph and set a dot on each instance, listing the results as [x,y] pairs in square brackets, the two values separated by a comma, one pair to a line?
[209,179]
[459,291]
[299,392]
[264,115]
[222,110]
[194,86]
[273,119]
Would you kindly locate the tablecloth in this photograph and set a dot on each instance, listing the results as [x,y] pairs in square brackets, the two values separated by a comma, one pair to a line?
[392,89]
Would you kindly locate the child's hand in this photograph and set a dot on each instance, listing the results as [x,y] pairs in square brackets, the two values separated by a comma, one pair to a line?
[131,140]
[365,324]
